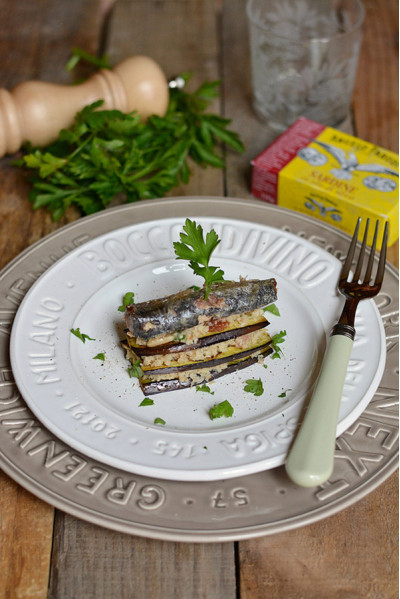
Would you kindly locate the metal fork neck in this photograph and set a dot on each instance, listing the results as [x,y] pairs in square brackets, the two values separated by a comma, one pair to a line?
[345,324]
[344,329]
[349,311]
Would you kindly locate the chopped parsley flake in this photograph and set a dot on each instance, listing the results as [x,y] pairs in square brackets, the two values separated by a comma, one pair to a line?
[135,371]
[147,402]
[159,421]
[205,388]
[128,299]
[179,336]
[254,386]
[221,409]
[101,356]
[273,309]
[81,336]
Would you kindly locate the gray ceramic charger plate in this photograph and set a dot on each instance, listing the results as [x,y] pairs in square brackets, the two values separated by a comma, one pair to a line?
[238,508]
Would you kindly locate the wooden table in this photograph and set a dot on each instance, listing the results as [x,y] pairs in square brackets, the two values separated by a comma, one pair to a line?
[44,552]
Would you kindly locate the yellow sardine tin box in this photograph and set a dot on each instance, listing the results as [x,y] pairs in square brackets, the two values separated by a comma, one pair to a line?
[329,175]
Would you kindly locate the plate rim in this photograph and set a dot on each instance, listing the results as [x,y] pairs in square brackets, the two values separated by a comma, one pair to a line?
[182,472]
[50,495]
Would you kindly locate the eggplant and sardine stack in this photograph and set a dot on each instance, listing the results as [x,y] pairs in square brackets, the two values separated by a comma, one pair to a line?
[183,339]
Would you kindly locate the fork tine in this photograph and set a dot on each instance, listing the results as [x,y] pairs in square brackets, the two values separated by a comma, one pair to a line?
[349,258]
[382,257]
[368,272]
[362,252]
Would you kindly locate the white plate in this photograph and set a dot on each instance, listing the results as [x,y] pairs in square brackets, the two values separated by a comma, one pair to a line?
[94,406]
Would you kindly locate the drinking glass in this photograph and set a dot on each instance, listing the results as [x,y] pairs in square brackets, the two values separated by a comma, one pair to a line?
[304,56]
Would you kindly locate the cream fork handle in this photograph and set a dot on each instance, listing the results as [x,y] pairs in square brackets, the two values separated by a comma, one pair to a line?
[310,461]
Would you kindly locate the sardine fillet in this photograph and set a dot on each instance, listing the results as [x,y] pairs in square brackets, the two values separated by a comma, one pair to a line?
[182,310]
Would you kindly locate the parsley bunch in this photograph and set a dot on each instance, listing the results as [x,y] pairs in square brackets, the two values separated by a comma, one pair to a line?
[106,153]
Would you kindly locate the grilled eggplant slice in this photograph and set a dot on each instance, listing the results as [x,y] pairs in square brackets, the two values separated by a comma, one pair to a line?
[150,387]
[182,310]
[233,353]
[171,348]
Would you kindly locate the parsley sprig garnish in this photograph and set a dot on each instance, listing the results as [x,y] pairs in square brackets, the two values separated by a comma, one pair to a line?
[276,340]
[193,247]
[106,153]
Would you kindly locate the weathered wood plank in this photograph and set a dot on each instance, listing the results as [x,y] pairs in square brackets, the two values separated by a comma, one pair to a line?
[376,94]
[352,554]
[26,528]
[47,31]
[237,94]
[92,562]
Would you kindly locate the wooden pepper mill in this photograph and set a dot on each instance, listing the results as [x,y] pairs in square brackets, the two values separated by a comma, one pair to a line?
[36,111]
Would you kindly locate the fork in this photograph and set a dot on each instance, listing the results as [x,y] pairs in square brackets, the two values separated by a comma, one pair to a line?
[310,459]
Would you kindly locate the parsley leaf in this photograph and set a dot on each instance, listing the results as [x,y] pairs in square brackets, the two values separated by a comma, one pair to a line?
[273,309]
[221,409]
[135,371]
[128,299]
[276,340]
[159,421]
[106,153]
[197,250]
[254,386]
[147,402]
[101,356]
[205,388]
[81,336]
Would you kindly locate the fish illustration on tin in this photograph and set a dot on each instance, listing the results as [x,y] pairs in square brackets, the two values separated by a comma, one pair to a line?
[348,163]
[324,211]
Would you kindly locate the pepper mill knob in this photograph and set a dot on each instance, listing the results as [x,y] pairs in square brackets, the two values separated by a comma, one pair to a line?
[36,111]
